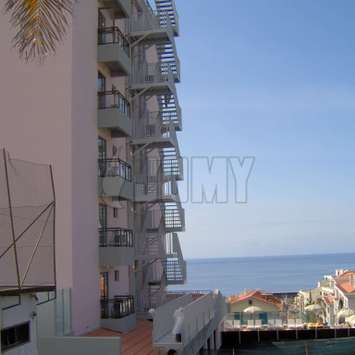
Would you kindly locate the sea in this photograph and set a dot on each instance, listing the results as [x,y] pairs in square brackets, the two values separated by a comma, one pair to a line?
[269,273]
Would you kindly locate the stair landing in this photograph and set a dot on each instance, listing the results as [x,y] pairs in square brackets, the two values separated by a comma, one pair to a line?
[135,342]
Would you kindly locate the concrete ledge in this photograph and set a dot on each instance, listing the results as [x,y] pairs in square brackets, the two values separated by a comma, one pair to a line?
[116,255]
[115,186]
[79,346]
[115,57]
[114,119]
[123,325]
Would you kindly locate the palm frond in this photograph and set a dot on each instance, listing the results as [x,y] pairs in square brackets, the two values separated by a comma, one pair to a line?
[40,25]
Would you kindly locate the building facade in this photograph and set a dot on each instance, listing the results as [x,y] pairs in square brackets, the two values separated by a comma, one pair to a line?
[335,295]
[105,112]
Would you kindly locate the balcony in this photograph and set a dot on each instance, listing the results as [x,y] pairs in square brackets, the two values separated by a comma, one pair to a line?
[118,314]
[115,179]
[120,8]
[116,246]
[113,51]
[150,76]
[114,113]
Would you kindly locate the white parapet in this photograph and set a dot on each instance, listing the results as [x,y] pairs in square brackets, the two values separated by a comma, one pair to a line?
[80,346]
[18,325]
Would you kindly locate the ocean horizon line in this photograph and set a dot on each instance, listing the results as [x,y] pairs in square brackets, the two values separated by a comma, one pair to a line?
[266,256]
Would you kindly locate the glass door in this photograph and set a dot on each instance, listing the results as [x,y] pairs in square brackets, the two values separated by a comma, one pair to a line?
[102,155]
[101,88]
[102,26]
[104,285]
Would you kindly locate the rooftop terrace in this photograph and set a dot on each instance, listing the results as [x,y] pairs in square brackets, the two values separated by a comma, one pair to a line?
[135,342]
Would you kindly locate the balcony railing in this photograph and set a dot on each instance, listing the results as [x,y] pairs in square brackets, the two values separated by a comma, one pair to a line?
[115,167]
[113,35]
[116,237]
[152,21]
[150,73]
[113,99]
[152,126]
[117,308]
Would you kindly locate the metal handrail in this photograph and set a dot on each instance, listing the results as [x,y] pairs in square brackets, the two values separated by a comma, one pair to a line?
[118,307]
[115,167]
[113,99]
[113,35]
[116,237]
[151,73]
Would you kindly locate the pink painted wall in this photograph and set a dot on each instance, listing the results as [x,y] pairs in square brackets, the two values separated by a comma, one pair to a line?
[48,114]
[85,293]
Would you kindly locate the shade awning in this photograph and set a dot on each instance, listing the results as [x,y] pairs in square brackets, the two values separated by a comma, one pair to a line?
[252,310]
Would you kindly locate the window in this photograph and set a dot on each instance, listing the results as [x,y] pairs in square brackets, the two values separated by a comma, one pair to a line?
[101,82]
[103,216]
[102,20]
[102,24]
[101,88]
[15,336]
[104,285]
[117,275]
[102,148]
[115,212]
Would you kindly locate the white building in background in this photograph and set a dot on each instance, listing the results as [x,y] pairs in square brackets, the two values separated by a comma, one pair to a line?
[335,294]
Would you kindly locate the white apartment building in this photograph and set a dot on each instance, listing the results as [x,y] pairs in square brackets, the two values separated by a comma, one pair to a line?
[104,111]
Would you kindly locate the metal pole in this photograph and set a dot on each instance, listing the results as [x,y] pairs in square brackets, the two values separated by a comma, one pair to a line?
[11,218]
[306,349]
[54,227]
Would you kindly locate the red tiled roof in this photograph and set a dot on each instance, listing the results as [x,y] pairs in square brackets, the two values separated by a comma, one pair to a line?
[136,342]
[259,295]
[346,281]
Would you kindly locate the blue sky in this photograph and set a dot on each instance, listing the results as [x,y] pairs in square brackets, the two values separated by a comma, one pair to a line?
[274,79]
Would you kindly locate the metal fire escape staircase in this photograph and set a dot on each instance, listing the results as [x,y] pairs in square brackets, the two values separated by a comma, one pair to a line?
[167,7]
[159,253]
[175,265]
[158,28]
[152,255]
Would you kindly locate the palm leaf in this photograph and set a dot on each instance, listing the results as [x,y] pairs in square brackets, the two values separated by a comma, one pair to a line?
[40,25]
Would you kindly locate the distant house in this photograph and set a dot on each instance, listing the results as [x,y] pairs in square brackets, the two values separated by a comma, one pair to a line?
[334,293]
[267,305]
[344,291]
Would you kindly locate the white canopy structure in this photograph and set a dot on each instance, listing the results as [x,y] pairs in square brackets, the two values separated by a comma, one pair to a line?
[252,310]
